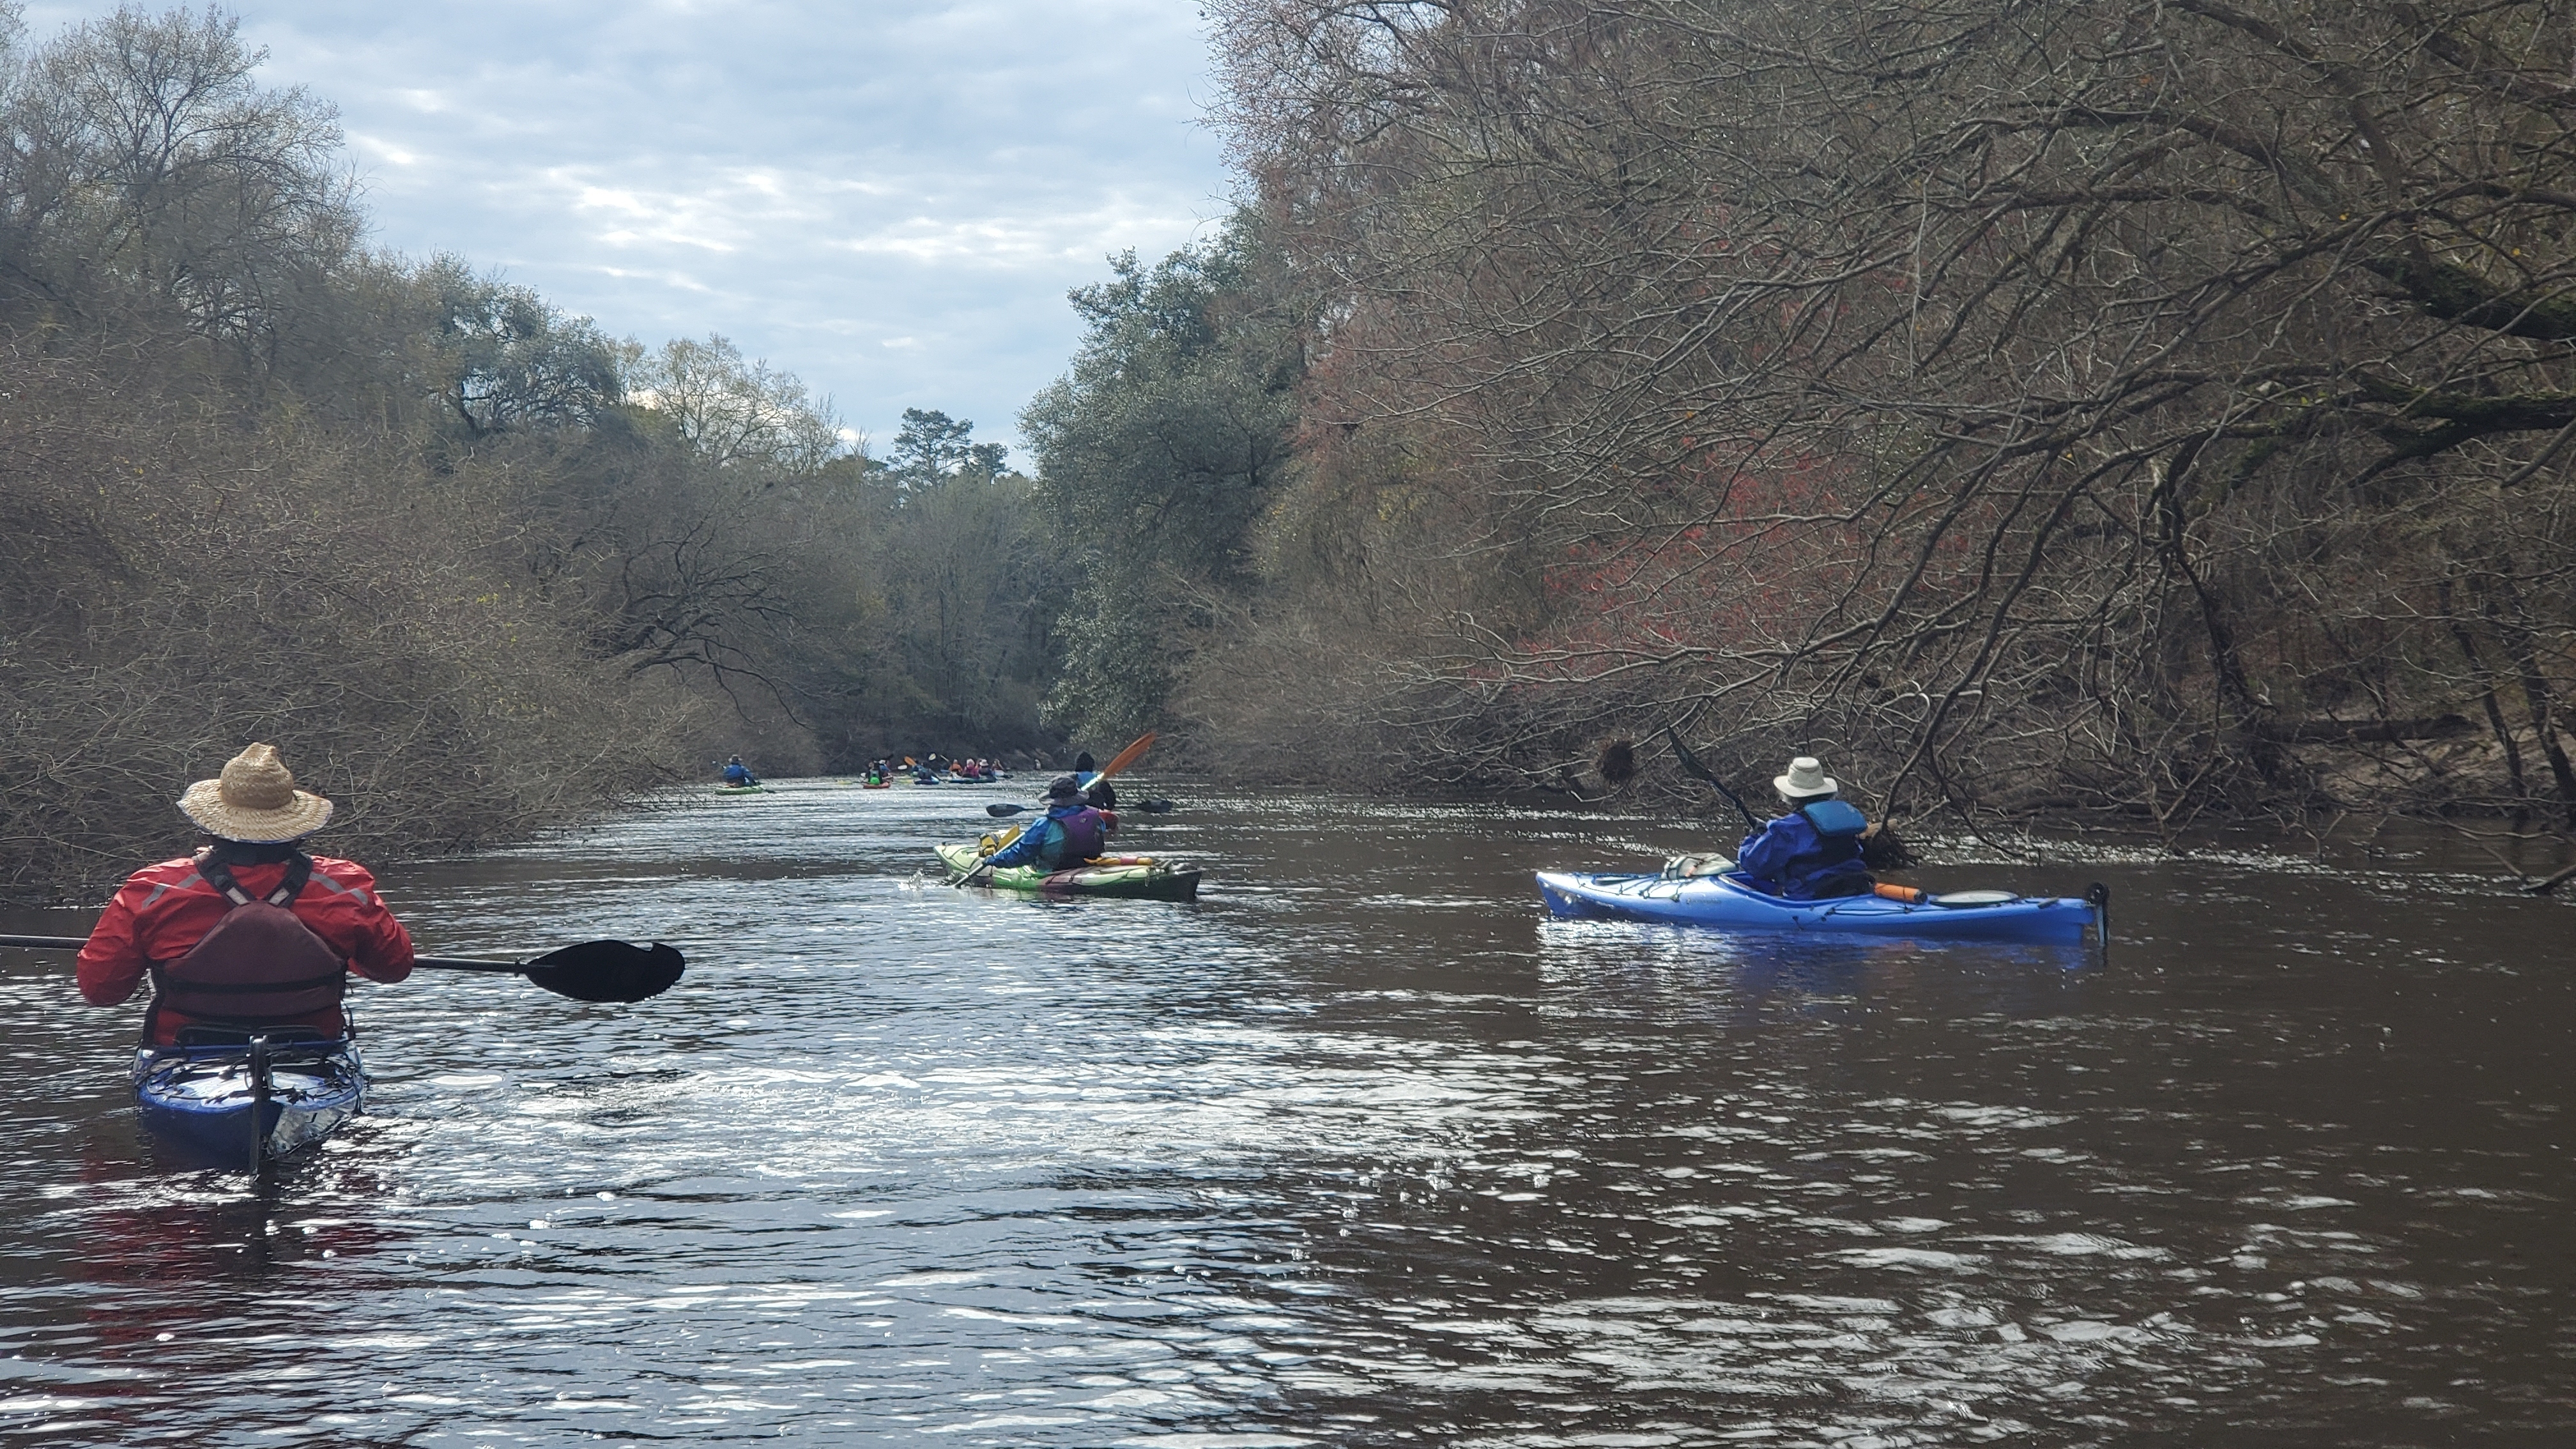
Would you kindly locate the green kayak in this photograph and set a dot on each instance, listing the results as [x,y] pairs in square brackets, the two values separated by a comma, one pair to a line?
[742,789]
[1133,877]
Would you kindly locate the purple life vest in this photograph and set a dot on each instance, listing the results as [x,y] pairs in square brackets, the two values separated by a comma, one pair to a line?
[1080,836]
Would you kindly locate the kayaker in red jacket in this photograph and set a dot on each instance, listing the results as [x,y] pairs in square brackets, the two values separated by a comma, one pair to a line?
[249,933]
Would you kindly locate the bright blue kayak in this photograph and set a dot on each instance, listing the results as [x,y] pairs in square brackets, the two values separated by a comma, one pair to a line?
[1730,902]
[231,1105]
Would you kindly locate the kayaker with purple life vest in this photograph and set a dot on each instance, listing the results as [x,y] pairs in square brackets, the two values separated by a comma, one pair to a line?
[250,934]
[1813,852]
[1071,833]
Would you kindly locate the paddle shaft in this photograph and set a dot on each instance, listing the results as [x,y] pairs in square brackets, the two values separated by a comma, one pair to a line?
[1001,810]
[434,963]
[1691,765]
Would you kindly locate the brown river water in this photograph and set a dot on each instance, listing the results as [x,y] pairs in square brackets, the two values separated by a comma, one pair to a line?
[1360,1149]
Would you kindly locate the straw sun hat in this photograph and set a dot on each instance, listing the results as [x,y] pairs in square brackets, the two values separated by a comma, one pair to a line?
[255,801]
[1806,778]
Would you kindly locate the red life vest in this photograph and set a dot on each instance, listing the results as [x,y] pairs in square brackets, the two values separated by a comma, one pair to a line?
[259,967]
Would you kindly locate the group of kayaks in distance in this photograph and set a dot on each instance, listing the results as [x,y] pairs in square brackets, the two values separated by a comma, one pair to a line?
[881,774]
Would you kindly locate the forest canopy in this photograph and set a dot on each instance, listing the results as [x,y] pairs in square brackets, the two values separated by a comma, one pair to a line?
[2160,408]
[2151,408]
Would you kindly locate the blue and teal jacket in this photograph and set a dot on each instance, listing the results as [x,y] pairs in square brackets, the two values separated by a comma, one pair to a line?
[1811,854]
[1068,836]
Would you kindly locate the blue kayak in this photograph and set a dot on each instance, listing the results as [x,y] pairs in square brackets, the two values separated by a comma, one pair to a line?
[1730,901]
[232,1104]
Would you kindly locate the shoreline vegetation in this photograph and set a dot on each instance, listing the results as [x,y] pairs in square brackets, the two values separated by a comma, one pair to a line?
[2157,414]
[476,565]
[2148,413]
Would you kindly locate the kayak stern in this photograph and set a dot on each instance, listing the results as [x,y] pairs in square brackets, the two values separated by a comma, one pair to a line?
[202,1100]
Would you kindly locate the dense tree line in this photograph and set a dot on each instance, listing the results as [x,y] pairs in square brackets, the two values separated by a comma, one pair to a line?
[477,565]
[2160,405]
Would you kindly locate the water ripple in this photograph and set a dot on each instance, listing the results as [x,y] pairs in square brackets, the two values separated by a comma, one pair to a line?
[1352,1151]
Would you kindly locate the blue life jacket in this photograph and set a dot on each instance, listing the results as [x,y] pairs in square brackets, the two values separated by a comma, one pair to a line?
[1812,854]
[1833,818]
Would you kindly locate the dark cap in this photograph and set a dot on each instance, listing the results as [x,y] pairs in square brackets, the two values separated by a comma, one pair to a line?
[1063,785]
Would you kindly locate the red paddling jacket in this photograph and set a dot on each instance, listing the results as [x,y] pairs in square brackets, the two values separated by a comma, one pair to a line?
[245,945]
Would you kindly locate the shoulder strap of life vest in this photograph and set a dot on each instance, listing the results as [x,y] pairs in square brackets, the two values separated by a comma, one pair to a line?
[299,871]
[1833,818]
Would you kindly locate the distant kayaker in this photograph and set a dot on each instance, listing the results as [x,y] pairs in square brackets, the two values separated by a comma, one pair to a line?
[738,774]
[1071,833]
[1099,793]
[1813,852]
[250,934]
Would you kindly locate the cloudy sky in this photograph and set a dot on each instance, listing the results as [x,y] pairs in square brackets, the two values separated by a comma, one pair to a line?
[886,199]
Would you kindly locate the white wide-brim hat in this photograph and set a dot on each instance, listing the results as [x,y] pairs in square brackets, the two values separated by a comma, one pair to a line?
[254,801]
[1806,777]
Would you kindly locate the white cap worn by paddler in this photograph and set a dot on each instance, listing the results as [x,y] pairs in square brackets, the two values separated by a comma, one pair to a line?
[1806,778]
[255,801]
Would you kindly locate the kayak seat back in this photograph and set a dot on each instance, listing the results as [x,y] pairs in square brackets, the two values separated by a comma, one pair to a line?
[233,1036]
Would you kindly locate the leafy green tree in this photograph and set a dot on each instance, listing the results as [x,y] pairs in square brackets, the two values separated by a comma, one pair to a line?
[516,362]
[1158,451]
[932,447]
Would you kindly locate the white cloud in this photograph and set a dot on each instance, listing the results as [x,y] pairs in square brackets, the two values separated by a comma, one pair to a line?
[889,199]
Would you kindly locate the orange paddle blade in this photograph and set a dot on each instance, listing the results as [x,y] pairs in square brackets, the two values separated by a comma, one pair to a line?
[1127,756]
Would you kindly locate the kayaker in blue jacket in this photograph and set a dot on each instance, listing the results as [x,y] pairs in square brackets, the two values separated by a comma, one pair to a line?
[1098,793]
[1813,852]
[737,773]
[1071,833]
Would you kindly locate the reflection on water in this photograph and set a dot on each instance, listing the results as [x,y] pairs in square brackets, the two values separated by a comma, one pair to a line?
[1360,1149]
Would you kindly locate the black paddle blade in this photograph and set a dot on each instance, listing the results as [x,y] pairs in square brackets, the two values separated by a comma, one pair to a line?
[998,809]
[1155,807]
[608,971]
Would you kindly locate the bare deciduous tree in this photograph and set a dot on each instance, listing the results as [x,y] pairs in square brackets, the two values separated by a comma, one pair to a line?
[2155,404]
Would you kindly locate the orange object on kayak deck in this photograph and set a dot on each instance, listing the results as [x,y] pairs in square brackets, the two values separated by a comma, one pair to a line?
[1907,894]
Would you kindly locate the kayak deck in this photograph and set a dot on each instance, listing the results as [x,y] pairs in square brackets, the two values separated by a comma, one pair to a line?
[1125,877]
[202,1099]
[1729,902]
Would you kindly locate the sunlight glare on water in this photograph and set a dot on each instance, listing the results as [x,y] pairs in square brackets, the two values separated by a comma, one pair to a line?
[1359,1149]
